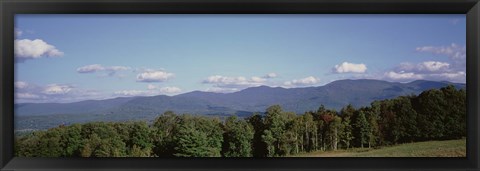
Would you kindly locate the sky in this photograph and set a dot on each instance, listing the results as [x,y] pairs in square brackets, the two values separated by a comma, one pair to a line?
[68,58]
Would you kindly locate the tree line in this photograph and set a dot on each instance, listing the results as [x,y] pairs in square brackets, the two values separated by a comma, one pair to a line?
[436,114]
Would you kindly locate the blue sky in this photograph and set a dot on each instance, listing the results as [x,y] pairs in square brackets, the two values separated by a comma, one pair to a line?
[66,58]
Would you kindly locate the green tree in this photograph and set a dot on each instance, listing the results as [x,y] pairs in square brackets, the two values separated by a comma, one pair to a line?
[50,144]
[336,128]
[191,142]
[435,114]
[275,124]
[431,108]
[455,120]
[310,132]
[347,111]
[269,140]
[237,139]
[72,140]
[140,135]
[347,135]
[101,140]
[140,152]
[164,128]
[198,137]
[405,125]
[259,147]
[297,128]
[363,128]
[327,135]
[386,120]
[374,133]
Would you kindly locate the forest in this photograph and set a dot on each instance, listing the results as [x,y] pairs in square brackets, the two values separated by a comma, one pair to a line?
[435,114]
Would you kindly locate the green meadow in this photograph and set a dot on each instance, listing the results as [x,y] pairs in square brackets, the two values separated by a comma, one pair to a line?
[449,148]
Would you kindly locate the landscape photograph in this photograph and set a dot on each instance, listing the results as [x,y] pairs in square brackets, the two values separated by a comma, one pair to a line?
[240,85]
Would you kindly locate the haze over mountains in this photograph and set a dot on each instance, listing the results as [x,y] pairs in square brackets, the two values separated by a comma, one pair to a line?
[255,99]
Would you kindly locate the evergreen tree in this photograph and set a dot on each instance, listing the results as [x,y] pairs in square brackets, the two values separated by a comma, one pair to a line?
[363,128]
[198,137]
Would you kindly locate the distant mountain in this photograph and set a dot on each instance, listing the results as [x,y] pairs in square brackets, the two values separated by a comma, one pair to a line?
[255,99]
[88,106]
[335,95]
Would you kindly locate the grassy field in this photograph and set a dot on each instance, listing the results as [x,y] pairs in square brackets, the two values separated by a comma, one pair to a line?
[450,148]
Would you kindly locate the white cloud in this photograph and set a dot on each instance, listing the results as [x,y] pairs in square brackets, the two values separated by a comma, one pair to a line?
[234,82]
[55,93]
[32,49]
[117,68]
[57,89]
[164,90]
[28,92]
[26,96]
[303,82]
[20,85]
[434,66]
[170,90]
[347,67]
[18,32]
[90,68]
[424,67]
[221,90]
[452,76]
[224,80]
[458,76]
[152,91]
[154,76]
[131,93]
[454,51]
[428,70]
[97,68]
[402,76]
[270,75]
[258,79]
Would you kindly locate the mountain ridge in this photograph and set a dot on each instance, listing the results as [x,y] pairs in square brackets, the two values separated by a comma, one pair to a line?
[336,94]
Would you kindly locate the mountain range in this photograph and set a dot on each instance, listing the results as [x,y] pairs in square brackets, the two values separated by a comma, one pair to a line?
[255,99]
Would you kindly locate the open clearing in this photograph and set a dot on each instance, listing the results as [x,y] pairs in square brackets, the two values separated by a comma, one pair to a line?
[449,148]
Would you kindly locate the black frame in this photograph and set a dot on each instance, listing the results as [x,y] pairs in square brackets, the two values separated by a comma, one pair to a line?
[9,8]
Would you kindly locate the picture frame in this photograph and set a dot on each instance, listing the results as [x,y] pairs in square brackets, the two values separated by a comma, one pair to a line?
[9,8]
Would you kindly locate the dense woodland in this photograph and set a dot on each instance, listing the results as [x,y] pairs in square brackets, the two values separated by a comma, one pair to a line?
[436,114]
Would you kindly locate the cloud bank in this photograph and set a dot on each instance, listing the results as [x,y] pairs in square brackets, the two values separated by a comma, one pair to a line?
[56,93]
[454,69]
